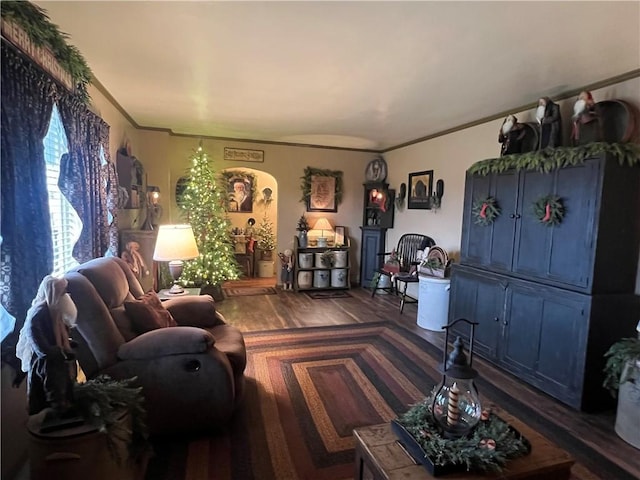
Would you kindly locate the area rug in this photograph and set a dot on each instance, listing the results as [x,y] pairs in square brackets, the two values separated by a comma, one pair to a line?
[248,291]
[308,388]
[328,294]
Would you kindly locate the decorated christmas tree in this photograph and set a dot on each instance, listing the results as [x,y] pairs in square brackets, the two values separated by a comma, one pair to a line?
[266,237]
[203,205]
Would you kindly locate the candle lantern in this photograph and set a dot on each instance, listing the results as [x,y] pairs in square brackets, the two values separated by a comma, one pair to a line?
[456,404]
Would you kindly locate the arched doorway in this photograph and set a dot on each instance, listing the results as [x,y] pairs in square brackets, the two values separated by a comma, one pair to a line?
[253,219]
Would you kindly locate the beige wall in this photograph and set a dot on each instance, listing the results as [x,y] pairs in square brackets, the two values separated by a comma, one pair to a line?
[451,155]
[166,158]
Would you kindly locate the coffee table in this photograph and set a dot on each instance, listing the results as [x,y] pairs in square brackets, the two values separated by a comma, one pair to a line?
[380,456]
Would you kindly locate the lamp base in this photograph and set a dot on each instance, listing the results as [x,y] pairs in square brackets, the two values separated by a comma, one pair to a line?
[176,289]
[322,241]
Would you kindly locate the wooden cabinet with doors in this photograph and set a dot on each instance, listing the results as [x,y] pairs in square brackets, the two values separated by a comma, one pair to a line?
[377,216]
[550,300]
[589,251]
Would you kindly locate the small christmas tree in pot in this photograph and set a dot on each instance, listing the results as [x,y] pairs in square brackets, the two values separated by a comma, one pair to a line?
[266,238]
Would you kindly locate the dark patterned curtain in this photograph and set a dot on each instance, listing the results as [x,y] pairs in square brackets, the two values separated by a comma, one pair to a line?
[27,97]
[82,177]
[111,181]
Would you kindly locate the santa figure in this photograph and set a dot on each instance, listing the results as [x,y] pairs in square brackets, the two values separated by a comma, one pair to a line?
[585,125]
[511,135]
[548,116]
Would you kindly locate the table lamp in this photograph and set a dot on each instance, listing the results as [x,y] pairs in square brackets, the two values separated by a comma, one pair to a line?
[174,244]
[322,224]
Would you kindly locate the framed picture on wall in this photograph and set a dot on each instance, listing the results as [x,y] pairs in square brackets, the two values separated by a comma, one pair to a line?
[420,190]
[239,191]
[323,194]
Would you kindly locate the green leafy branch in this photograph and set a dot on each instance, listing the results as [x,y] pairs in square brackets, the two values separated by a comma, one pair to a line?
[101,402]
[37,25]
[305,185]
[549,210]
[550,159]
[469,451]
[619,354]
[485,211]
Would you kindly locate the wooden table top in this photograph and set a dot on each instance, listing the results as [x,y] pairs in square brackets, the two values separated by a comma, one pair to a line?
[546,460]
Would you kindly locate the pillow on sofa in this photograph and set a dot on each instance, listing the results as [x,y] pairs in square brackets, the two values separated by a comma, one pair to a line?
[147,313]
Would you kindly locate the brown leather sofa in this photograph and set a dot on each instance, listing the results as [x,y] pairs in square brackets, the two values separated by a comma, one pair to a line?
[192,374]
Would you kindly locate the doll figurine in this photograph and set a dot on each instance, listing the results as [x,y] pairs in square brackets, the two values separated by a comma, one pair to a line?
[46,351]
[286,273]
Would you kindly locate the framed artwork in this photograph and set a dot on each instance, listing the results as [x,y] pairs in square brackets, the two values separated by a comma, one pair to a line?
[338,238]
[420,190]
[240,198]
[322,197]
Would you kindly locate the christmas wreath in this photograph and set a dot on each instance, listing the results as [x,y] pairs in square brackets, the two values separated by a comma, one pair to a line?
[485,211]
[549,210]
[486,449]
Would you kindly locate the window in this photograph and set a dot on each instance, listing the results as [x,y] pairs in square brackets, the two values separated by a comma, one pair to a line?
[65,223]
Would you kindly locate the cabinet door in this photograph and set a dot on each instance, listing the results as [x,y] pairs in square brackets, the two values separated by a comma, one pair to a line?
[545,338]
[481,300]
[562,253]
[490,245]
[373,244]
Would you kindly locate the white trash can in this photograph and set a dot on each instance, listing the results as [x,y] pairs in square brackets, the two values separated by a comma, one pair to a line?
[433,302]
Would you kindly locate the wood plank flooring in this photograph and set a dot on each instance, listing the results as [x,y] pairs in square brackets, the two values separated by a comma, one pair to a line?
[291,309]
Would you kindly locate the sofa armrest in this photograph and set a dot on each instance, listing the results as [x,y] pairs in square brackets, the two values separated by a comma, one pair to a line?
[166,341]
[194,311]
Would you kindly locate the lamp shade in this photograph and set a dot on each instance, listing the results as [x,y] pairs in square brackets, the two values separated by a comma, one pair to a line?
[322,224]
[175,242]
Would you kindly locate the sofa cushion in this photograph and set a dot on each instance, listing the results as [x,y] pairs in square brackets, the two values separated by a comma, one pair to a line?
[147,313]
[124,323]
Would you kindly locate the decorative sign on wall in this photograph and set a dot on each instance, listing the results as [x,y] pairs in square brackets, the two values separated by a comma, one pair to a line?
[243,155]
[41,55]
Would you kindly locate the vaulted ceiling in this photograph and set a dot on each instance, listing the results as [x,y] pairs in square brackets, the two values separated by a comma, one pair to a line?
[364,75]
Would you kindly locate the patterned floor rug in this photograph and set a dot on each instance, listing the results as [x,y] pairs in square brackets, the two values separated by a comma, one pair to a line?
[307,389]
[248,291]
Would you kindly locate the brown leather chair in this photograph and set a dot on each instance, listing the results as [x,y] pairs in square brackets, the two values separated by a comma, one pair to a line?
[192,375]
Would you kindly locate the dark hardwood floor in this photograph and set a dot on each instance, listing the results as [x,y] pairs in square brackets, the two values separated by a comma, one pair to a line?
[289,309]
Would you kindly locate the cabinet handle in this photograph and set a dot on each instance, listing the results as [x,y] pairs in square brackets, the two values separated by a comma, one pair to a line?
[496,319]
[518,215]
[513,215]
[505,323]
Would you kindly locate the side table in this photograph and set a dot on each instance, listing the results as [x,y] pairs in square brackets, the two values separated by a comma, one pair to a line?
[379,456]
[165,295]
[78,453]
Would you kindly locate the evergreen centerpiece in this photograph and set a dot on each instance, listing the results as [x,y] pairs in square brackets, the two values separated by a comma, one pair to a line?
[203,204]
[303,224]
[266,237]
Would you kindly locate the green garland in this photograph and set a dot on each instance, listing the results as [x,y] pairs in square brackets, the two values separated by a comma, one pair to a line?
[37,25]
[549,210]
[487,449]
[227,175]
[619,354]
[101,401]
[554,158]
[485,211]
[305,185]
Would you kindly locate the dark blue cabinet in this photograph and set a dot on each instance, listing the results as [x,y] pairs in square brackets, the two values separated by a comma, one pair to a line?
[371,248]
[593,250]
[550,300]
